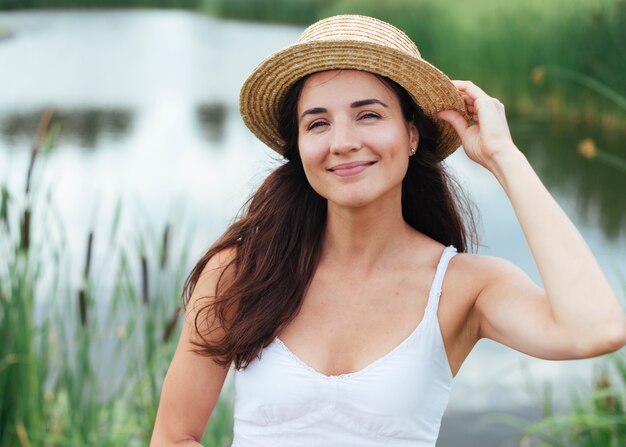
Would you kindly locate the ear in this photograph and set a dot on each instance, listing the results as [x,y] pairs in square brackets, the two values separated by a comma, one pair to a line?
[414,136]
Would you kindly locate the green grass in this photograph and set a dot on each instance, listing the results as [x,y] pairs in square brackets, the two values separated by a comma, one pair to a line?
[84,364]
[597,418]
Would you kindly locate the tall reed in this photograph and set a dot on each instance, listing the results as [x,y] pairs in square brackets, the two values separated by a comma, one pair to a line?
[84,365]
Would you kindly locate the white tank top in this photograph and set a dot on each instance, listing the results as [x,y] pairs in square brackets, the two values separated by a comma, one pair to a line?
[396,400]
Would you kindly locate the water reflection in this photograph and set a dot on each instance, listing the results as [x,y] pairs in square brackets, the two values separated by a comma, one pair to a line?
[212,118]
[85,127]
[5,33]
[597,189]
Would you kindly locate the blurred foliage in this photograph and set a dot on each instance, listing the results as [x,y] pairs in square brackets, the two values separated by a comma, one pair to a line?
[282,11]
[597,417]
[32,4]
[496,44]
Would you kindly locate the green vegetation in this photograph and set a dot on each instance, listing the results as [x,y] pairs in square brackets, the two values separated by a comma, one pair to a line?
[497,44]
[597,419]
[47,4]
[84,365]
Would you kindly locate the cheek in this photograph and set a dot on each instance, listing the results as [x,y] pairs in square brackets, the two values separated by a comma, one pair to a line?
[313,158]
[313,151]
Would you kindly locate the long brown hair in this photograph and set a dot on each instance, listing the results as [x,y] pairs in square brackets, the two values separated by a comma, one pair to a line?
[277,239]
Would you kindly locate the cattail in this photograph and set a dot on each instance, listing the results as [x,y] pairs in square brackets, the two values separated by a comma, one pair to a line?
[88,257]
[82,306]
[144,279]
[171,324]
[4,206]
[42,133]
[165,246]
[25,230]
[82,294]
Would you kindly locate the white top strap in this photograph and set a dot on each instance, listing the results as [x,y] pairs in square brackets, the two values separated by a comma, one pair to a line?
[435,290]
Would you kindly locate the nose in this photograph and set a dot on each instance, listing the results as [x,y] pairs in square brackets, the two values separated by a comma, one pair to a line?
[344,138]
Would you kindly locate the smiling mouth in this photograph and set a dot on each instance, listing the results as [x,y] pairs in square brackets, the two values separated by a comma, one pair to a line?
[348,169]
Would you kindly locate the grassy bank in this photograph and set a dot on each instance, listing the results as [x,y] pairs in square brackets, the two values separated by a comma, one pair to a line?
[83,363]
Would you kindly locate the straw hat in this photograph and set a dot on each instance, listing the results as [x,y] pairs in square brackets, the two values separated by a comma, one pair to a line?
[348,42]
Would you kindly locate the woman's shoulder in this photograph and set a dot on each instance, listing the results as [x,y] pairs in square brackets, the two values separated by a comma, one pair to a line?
[473,272]
[220,261]
[203,295]
[218,267]
[480,265]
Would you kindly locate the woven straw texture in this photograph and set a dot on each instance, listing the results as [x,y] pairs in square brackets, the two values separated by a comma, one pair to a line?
[348,42]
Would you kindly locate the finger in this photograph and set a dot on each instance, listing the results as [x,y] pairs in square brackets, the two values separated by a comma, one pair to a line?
[469,101]
[475,97]
[469,88]
[456,120]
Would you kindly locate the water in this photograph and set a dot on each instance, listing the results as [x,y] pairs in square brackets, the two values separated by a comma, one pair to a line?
[147,102]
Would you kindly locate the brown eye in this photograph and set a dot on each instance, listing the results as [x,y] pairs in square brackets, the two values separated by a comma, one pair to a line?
[369,115]
[316,124]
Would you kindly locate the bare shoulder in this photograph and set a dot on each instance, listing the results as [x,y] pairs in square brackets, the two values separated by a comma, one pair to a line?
[476,272]
[489,285]
[466,275]
[218,267]
[474,281]
[216,274]
[460,317]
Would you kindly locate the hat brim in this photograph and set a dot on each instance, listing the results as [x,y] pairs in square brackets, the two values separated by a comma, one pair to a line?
[266,87]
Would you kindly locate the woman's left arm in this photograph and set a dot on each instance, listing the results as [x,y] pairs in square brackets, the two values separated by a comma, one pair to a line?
[578,314]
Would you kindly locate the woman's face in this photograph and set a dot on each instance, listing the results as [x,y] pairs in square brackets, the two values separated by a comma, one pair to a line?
[353,140]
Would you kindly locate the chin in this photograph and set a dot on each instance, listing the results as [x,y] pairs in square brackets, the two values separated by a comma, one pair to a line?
[351,201]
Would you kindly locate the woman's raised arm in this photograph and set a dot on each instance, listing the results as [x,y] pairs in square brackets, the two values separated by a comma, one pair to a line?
[193,382]
[578,314]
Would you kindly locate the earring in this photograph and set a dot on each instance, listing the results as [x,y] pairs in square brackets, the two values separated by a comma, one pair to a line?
[412,150]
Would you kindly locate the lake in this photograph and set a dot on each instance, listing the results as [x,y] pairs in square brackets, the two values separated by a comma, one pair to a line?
[148,106]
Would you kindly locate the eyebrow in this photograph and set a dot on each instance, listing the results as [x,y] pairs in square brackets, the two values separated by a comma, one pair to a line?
[366,102]
[354,105]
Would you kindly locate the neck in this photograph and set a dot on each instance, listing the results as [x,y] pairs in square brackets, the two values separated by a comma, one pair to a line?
[365,237]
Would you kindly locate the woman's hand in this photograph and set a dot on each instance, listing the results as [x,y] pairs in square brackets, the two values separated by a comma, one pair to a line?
[489,137]
[577,315]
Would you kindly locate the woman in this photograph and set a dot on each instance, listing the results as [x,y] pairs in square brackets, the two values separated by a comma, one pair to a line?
[328,294]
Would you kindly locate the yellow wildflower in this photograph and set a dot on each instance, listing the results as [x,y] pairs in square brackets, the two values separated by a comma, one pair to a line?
[538,75]
[587,148]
